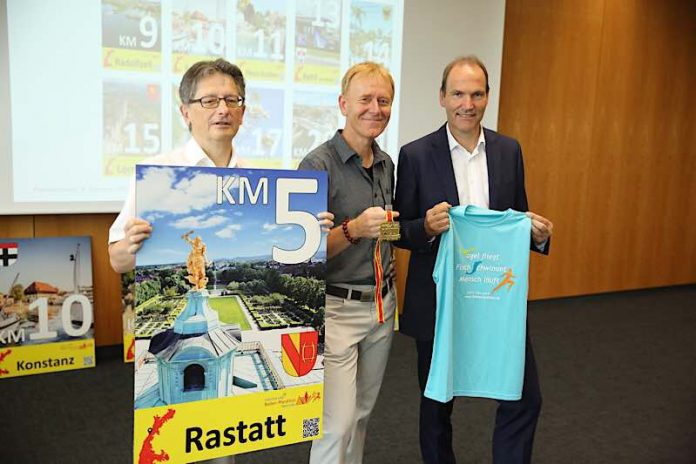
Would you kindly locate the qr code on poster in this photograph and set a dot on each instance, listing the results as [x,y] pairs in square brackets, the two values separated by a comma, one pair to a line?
[310,427]
[88,361]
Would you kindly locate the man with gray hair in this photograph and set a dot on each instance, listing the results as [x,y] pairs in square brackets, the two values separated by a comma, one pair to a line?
[212,105]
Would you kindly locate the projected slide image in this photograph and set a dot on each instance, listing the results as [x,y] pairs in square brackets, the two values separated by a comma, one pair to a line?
[261,28]
[198,32]
[318,42]
[315,120]
[131,125]
[261,135]
[180,132]
[131,35]
[371,26]
[119,64]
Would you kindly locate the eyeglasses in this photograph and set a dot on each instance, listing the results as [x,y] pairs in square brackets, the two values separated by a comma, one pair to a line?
[211,102]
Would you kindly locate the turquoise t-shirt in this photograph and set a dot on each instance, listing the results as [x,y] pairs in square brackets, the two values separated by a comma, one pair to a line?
[481,284]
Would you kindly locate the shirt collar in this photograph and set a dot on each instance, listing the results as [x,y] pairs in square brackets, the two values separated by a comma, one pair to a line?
[195,156]
[454,144]
[345,152]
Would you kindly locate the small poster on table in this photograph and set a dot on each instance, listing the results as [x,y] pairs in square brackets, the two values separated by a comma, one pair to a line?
[46,301]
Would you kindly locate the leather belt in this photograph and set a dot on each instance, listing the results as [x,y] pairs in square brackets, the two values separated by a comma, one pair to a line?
[359,295]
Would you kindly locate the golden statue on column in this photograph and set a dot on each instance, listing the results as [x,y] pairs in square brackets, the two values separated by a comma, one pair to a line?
[196,262]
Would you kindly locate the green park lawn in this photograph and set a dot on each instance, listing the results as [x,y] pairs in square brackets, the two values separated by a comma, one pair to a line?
[229,311]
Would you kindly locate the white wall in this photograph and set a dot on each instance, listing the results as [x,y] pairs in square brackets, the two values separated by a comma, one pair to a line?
[435,32]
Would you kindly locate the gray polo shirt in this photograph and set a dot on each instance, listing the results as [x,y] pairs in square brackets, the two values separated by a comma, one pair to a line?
[352,191]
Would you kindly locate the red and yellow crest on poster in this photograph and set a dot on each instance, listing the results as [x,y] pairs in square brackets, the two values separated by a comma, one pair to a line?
[299,352]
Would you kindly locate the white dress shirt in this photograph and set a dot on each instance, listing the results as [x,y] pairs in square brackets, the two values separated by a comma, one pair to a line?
[470,171]
[471,174]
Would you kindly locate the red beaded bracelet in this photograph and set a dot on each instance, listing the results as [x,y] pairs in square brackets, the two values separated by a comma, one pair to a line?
[344,226]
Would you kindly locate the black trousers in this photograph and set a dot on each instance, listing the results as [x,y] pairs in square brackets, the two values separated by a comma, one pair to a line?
[515,421]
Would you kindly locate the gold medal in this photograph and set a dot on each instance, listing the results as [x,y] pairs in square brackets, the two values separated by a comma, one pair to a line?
[390,230]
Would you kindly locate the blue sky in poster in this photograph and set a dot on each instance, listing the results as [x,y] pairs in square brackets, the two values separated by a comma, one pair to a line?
[176,200]
[48,260]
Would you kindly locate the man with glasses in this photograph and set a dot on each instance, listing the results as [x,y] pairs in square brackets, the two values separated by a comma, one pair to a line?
[360,303]
[212,105]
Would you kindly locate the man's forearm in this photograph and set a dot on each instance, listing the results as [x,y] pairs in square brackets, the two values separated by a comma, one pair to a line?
[336,242]
[119,257]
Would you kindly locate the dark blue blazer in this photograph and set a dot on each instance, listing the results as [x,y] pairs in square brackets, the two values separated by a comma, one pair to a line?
[425,177]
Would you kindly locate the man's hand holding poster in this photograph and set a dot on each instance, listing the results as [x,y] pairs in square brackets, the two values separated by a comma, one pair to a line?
[229,312]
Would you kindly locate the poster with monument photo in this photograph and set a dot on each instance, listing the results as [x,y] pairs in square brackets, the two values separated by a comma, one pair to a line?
[46,301]
[229,311]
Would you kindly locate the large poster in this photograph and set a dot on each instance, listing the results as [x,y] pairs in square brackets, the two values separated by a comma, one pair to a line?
[229,314]
[45,305]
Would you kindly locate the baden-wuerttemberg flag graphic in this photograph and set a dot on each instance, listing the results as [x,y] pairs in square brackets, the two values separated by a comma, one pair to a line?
[8,253]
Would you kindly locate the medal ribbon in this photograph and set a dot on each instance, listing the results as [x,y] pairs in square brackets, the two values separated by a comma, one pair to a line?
[377,264]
